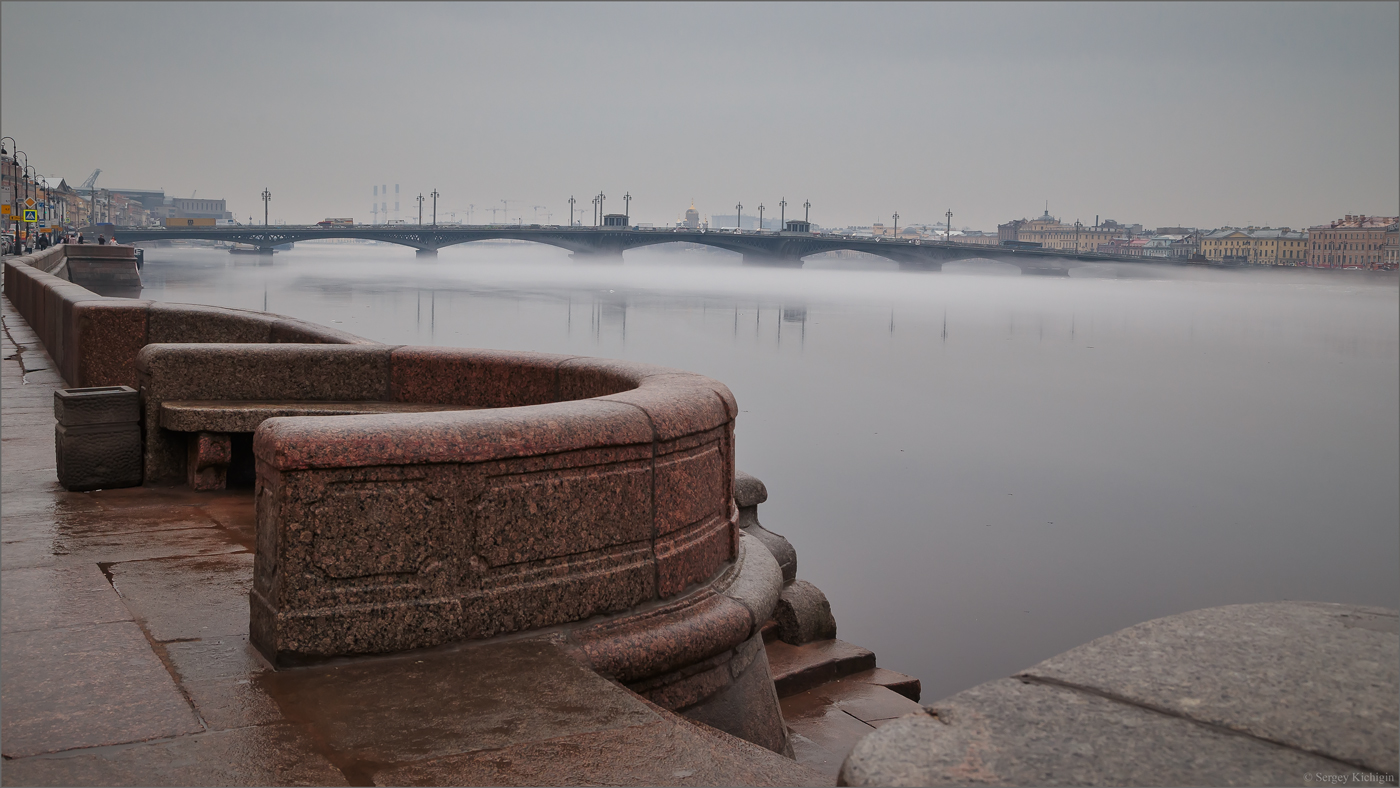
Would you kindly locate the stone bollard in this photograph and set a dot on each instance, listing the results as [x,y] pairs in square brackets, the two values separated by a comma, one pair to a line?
[97,441]
[803,614]
[749,492]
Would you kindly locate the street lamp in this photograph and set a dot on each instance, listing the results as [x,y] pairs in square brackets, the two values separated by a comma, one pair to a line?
[739,216]
[782,214]
[627,206]
[948,226]
[6,152]
[601,198]
[266,198]
[896,225]
[760,217]
[807,211]
[571,210]
[420,209]
[595,210]
[434,195]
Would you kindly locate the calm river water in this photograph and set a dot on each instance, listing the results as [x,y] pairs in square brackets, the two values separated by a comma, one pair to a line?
[980,469]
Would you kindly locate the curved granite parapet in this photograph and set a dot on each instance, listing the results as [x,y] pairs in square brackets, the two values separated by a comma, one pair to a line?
[589,495]
[584,487]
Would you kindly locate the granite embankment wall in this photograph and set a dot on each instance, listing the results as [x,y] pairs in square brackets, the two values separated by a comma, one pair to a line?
[94,339]
[563,489]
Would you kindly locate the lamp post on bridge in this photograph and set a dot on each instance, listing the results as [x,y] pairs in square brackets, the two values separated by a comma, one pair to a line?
[601,198]
[807,211]
[595,210]
[627,206]
[782,214]
[739,217]
[434,195]
[571,210]
[420,209]
[948,227]
[896,225]
[760,217]
[266,198]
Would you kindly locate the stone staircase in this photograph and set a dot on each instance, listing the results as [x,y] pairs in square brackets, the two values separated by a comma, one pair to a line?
[831,692]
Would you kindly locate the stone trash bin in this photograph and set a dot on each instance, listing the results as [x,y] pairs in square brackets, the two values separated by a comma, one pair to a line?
[97,441]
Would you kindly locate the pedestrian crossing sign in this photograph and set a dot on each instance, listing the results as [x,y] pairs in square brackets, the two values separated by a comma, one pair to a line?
[31,215]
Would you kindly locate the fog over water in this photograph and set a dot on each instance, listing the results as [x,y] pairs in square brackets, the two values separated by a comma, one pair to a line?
[980,469]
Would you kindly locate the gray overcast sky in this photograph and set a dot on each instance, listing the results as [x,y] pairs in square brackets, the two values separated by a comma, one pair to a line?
[1200,114]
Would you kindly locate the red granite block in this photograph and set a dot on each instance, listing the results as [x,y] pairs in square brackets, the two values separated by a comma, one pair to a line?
[527,517]
[649,644]
[559,591]
[291,330]
[451,436]
[107,335]
[484,378]
[582,377]
[693,554]
[206,467]
[381,533]
[677,403]
[691,486]
[266,371]
[193,323]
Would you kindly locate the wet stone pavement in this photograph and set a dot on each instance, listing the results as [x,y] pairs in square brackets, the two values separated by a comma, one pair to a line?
[124,660]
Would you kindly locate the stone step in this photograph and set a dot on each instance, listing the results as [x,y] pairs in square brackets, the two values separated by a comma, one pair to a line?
[826,721]
[799,668]
[904,684]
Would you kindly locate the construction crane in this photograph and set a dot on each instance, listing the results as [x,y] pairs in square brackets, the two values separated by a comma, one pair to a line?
[91,181]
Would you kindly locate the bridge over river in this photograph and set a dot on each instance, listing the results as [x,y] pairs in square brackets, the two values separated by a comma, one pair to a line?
[768,248]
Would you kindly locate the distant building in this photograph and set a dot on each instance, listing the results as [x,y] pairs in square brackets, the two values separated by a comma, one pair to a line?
[1349,242]
[976,237]
[1390,247]
[692,217]
[1256,245]
[191,208]
[1051,233]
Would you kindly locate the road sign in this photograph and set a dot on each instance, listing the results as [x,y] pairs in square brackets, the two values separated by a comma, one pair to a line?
[29,201]
[4,210]
[31,215]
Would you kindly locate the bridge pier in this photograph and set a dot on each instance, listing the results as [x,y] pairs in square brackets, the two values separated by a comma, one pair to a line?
[920,265]
[427,253]
[772,261]
[1042,269]
[603,258]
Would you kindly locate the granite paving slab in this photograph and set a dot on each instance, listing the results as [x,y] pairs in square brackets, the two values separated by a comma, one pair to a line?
[268,755]
[1318,677]
[188,597]
[85,686]
[1009,732]
[406,708]
[57,596]
[661,752]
